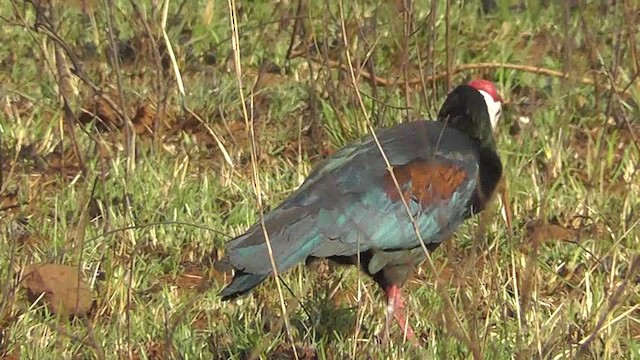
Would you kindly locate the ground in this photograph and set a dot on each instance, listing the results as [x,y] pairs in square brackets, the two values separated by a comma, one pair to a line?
[133,170]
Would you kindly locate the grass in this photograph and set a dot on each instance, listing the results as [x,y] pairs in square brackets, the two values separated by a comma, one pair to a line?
[144,236]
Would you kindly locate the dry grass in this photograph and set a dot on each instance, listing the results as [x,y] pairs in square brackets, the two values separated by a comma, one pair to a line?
[133,168]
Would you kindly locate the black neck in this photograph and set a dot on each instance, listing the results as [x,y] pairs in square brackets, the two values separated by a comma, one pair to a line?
[466,110]
[490,173]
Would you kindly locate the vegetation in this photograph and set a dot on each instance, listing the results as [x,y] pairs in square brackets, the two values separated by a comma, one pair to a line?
[126,153]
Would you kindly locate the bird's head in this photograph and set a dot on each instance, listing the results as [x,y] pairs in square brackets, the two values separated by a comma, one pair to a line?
[475,109]
[491,97]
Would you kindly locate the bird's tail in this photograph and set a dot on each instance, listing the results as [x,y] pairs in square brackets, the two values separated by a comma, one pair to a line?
[293,237]
[242,283]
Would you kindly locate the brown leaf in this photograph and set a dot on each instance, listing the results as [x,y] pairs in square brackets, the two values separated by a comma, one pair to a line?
[305,352]
[63,162]
[8,200]
[185,281]
[64,290]
[106,117]
[143,120]
[200,322]
[13,355]
[190,279]
[156,350]
[539,231]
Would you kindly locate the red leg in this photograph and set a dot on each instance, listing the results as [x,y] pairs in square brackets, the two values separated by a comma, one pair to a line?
[395,309]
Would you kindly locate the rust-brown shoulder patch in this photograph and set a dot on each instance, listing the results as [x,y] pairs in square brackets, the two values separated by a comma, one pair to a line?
[430,182]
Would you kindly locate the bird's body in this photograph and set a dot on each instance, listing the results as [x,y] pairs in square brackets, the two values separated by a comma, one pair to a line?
[349,209]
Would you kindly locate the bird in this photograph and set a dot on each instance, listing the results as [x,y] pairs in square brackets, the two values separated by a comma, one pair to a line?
[351,210]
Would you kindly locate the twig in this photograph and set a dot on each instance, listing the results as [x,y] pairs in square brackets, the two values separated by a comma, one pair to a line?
[78,69]
[129,133]
[151,224]
[215,137]
[389,167]
[181,88]
[162,90]
[407,17]
[170,52]
[614,301]
[380,81]
[297,22]
[1,161]
[447,41]
[130,153]
[248,118]
[91,334]
[64,88]
[433,27]
[61,67]
[79,237]
[47,29]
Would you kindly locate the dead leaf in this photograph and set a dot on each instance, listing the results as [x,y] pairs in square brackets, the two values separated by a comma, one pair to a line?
[201,322]
[64,290]
[539,231]
[304,352]
[106,117]
[156,350]
[8,201]
[187,281]
[13,355]
[143,120]
[63,162]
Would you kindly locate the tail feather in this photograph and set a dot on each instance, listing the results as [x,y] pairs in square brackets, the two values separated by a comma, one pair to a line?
[242,284]
[293,238]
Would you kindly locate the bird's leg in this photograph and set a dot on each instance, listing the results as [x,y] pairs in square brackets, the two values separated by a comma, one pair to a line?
[395,309]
